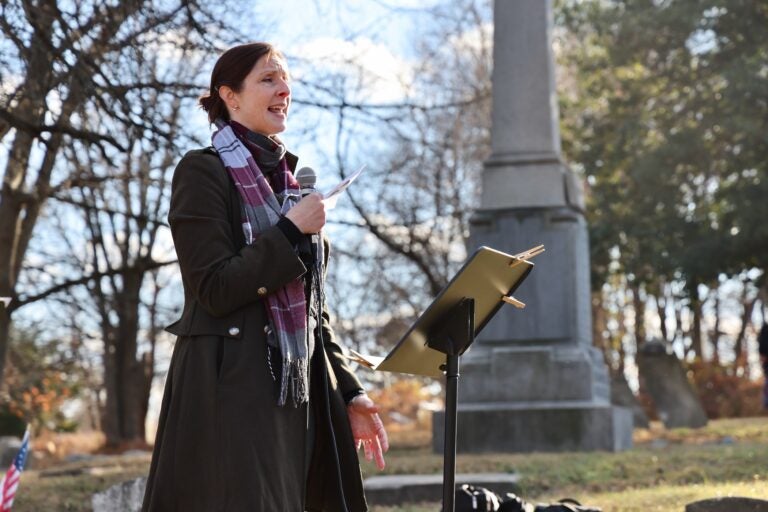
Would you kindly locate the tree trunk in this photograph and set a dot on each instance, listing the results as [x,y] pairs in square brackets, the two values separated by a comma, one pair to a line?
[621,352]
[5,333]
[661,310]
[716,327]
[696,341]
[639,306]
[617,342]
[598,322]
[124,375]
[740,343]
[679,331]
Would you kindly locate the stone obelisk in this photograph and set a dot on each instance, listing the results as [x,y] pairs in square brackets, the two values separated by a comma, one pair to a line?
[532,381]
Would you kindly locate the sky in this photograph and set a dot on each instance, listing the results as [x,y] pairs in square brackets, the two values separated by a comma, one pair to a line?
[299,22]
[377,33]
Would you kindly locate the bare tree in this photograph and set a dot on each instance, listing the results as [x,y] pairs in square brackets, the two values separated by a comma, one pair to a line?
[410,220]
[90,107]
[124,214]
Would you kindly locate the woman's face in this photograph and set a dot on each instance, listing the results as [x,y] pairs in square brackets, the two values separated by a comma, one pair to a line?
[263,101]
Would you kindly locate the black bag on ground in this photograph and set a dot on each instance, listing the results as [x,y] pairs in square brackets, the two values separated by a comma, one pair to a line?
[513,503]
[470,498]
[565,505]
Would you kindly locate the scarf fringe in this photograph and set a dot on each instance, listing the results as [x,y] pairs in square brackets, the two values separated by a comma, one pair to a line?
[260,209]
[294,378]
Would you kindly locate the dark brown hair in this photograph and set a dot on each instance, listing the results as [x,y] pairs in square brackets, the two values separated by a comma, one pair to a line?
[230,70]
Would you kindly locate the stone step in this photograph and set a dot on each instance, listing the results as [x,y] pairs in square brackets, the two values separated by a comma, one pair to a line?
[399,489]
[379,490]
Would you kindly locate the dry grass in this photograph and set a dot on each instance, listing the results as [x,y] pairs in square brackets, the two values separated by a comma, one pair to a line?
[664,498]
[51,449]
[665,470]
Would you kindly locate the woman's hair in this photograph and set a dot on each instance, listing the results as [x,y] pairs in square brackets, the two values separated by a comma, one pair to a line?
[230,70]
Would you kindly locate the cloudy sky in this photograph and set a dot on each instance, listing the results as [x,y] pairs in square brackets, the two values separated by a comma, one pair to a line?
[376,34]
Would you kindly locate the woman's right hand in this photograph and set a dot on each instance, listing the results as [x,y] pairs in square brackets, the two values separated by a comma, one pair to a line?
[308,214]
[367,429]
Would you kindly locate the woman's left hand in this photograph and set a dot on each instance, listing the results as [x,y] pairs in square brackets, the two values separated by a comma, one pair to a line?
[367,429]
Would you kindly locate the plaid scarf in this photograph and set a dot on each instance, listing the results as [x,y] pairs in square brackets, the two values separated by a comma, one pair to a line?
[261,209]
[268,152]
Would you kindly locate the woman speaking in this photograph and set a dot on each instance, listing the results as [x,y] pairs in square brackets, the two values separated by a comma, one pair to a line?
[261,411]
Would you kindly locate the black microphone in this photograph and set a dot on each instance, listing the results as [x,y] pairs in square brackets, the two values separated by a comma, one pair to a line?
[307,179]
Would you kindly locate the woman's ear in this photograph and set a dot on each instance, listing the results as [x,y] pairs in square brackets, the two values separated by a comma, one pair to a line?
[227,95]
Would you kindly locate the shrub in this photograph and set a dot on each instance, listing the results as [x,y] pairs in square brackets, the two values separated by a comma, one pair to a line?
[724,390]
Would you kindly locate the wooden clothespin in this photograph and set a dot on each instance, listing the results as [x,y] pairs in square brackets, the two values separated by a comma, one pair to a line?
[526,255]
[511,300]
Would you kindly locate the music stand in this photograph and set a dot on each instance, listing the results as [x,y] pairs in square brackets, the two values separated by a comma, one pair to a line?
[433,345]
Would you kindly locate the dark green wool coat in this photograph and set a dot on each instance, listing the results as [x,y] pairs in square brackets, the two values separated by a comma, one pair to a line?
[223,443]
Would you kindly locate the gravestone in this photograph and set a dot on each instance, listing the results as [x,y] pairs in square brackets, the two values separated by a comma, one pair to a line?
[677,403]
[122,497]
[622,395]
[9,448]
[532,380]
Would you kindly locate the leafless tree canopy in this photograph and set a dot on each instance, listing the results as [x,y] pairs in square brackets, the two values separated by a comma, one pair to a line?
[406,222]
[90,122]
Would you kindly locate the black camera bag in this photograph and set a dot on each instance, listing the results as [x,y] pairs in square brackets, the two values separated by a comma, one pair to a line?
[470,499]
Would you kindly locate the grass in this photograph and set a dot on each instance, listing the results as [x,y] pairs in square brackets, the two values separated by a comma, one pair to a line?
[665,470]
[663,498]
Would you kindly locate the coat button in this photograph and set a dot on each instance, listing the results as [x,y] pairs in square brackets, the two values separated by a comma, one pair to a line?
[261,291]
[234,331]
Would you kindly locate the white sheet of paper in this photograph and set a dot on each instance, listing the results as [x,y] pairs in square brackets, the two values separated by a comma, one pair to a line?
[368,361]
[332,196]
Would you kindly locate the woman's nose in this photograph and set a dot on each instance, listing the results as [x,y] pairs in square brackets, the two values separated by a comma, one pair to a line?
[285,90]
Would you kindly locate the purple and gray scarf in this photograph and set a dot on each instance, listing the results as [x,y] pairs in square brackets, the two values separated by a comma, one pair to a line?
[261,208]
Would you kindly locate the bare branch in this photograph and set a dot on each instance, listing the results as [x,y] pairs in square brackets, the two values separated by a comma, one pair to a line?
[24,300]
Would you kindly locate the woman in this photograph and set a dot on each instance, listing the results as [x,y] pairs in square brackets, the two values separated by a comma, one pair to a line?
[261,411]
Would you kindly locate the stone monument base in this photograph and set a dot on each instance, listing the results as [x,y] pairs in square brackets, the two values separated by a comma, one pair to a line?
[538,426]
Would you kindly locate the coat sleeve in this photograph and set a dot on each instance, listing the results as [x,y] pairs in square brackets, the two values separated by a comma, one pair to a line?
[349,384]
[221,276]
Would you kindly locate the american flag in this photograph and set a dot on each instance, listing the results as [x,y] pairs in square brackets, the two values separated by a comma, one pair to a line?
[10,481]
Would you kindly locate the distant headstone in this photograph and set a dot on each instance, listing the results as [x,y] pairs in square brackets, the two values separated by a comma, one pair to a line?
[9,447]
[675,399]
[123,497]
[622,395]
[732,504]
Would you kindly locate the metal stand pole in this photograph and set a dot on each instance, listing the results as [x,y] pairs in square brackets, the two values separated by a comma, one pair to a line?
[449,446]
[452,337]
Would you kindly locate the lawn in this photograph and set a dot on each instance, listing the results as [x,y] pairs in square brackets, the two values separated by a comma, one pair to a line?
[664,471]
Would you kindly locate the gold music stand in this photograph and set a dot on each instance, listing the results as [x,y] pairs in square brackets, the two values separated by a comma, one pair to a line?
[433,345]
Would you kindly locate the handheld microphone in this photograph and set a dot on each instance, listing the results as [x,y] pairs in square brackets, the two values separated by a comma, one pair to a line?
[307,179]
